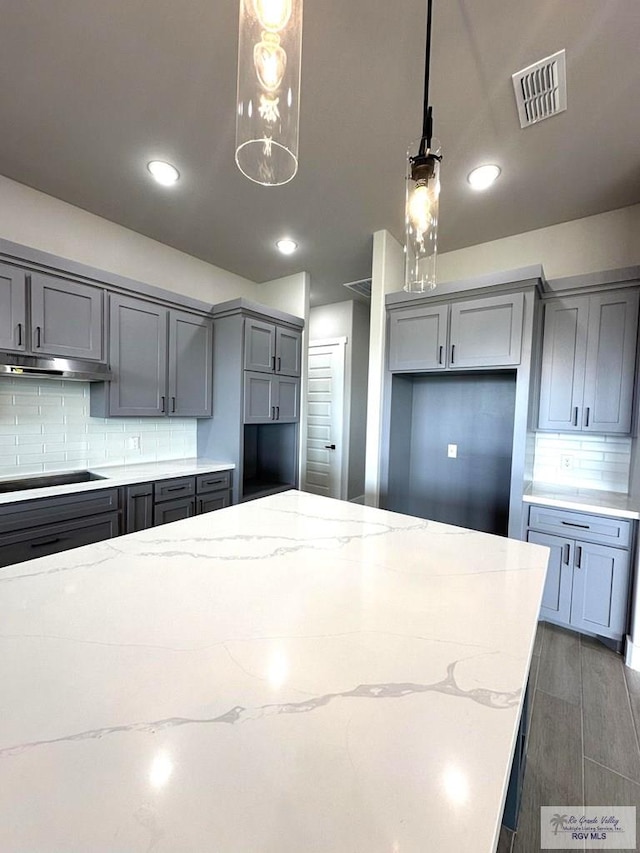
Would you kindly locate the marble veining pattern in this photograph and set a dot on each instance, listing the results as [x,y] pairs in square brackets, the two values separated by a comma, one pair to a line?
[290,674]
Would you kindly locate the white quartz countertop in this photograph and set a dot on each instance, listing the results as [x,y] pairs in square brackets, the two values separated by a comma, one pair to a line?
[584,500]
[291,674]
[121,475]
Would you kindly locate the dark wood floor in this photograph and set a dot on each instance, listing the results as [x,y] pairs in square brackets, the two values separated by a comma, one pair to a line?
[584,732]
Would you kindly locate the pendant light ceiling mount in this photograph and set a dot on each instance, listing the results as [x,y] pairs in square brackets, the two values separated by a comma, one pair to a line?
[423,192]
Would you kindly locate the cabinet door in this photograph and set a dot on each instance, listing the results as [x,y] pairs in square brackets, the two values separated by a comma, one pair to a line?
[210,503]
[288,351]
[610,364]
[13,314]
[173,511]
[66,318]
[259,346]
[287,400]
[418,338]
[556,598]
[486,332]
[138,356]
[600,590]
[190,365]
[138,507]
[260,392]
[564,351]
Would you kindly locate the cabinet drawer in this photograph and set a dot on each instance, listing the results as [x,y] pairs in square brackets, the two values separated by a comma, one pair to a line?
[33,513]
[579,525]
[181,487]
[213,482]
[51,539]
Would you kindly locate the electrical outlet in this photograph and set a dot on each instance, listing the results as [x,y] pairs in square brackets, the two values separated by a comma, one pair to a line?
[133,442]
[566,462]
[452,451]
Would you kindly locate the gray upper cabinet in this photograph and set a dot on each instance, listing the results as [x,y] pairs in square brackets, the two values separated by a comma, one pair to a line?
[486,332]
[190,365]
[161,360]
[418,338]
[270,399]
[476,333]
[13,308]
[269,348]
[138,357]
[288,351]
[588,363]
[66,318]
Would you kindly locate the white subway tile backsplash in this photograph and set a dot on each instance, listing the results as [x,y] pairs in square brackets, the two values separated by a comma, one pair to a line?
[46,427]
[596,461]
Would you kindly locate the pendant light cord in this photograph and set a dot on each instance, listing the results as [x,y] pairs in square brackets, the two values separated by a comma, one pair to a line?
[427,118]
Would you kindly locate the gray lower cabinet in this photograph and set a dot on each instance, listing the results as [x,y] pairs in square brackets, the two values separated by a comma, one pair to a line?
[269,399]
[587,585]
[36,528]
[161,359]
[271,348]
[150,504]
[588,362]
[13,308]
[472,333]
[67,317]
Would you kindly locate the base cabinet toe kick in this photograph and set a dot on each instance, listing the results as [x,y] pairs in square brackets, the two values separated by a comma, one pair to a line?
[37,527]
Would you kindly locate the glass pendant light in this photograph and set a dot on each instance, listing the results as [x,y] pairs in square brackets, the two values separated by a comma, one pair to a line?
[423,194]
[268,102]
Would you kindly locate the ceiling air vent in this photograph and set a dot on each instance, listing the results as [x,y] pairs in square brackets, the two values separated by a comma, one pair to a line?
[362,287]
[541,89]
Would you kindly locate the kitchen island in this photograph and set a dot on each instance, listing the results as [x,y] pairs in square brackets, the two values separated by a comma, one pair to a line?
[291,674]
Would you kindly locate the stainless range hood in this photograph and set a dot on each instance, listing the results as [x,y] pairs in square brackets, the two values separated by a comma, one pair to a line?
[37,367]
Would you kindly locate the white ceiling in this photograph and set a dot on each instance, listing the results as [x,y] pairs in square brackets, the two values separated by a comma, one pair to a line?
[93,89]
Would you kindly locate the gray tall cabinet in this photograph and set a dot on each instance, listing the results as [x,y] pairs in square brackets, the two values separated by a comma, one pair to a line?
[256,407]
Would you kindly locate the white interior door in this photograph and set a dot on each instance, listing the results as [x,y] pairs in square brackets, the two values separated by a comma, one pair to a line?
[325,452]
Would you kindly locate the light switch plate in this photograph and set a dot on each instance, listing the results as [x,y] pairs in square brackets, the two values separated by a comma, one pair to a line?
[452,451]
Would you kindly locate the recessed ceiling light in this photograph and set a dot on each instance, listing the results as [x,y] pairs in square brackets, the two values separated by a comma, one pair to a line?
[483,176]
[287,246]
[164,173]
